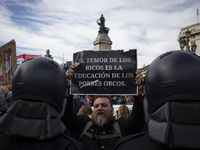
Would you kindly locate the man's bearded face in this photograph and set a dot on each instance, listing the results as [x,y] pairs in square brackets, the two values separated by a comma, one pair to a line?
[102,112]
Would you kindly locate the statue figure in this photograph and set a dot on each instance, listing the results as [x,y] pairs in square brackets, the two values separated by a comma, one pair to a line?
[101,22]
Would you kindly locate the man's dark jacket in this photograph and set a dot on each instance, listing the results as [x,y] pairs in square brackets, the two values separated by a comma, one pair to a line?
[131,125]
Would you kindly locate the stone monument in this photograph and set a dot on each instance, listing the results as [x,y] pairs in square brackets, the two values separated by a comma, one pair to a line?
[48,54]
[102,41]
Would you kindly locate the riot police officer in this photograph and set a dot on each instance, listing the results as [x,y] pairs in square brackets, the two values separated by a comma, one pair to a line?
[33,119]
[172,88]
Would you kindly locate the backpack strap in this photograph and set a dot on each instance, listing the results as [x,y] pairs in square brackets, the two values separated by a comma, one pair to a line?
[117,129]
[89,124]
[72,143]
[128,138]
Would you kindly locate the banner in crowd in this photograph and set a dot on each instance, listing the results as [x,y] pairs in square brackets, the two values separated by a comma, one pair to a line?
[104,73]
[7,62]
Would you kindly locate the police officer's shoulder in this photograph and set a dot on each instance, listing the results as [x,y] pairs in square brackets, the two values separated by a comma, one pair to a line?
[139,141]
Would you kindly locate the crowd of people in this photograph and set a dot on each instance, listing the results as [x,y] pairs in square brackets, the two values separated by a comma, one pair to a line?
[5,98]
[40,114]
[83,104]
[79,100]
[89,99]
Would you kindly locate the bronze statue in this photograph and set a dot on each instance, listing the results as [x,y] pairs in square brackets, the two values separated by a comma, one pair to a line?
[101,22]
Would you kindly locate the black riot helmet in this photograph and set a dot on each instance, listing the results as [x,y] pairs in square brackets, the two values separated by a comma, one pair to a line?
[172,76]
[40,79]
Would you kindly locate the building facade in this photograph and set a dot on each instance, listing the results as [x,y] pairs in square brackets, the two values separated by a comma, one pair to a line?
[189,38]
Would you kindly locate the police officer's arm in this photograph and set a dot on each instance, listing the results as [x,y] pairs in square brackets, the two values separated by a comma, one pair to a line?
[135,122]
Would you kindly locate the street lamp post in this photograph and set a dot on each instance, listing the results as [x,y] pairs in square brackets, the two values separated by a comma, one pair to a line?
[187,35]
[194,47]
[182,43]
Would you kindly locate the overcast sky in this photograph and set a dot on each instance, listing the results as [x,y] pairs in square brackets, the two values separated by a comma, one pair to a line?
[68,26]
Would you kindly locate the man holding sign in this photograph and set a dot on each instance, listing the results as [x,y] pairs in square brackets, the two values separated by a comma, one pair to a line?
[102,131]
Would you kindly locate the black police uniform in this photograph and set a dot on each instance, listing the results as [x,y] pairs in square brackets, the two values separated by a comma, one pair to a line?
[33,119]
[139,141]
[172,92]
[59,142]
[142,141]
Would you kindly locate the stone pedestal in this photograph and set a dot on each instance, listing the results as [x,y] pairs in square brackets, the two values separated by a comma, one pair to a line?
[102,42]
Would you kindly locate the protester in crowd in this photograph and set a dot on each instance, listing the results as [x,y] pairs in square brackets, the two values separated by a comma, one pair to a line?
[5,90]
[102,131]
[91,100]
[33,119]
[173,105]
[3,104]
[87,97]
[80,104]
[84,99]
[123,101]
[129,100]
[123,111]
[116,99]
[76,100]
[85,109]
